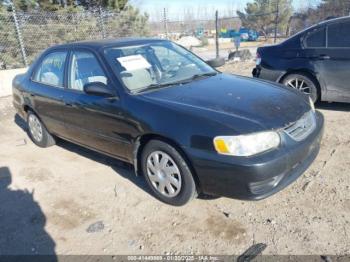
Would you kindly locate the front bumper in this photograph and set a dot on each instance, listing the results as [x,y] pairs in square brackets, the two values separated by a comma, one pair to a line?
[254,178]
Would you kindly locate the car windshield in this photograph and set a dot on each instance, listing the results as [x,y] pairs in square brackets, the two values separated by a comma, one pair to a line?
[155,65]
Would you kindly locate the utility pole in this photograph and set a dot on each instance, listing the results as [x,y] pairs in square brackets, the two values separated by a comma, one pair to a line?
[217,33]
[63,3]
[276,19]
[165,20]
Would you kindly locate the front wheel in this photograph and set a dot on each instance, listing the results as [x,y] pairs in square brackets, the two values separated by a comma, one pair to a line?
[302,83]
[38,132]
[167,173]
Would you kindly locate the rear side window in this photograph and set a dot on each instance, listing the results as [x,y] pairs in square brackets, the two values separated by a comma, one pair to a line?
[316,38]
[339,35]
[51,69]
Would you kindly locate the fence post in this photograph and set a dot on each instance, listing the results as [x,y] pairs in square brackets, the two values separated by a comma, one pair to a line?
[276,19]
[101,22]
[165,20]
[19,35]
[217,33]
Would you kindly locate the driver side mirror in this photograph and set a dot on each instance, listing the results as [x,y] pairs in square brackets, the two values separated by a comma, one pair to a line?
[98,89]
[216,62]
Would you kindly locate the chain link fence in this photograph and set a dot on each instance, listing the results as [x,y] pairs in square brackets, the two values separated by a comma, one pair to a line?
[24,35]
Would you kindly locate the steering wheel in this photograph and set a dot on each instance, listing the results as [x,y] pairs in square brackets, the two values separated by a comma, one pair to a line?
[169,70]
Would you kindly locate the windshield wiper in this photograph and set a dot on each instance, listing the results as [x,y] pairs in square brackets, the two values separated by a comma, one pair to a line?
[204,75]
[153,86]
[187,80]
[198,76]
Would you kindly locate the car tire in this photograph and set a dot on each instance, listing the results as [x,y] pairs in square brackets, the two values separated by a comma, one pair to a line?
[38,132]
[217,62]
[303,83]
[171,181]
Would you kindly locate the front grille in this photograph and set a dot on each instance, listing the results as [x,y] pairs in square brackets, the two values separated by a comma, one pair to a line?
[302,128]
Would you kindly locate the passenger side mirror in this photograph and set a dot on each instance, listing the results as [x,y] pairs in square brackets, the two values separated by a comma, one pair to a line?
[216,62]
[98,89]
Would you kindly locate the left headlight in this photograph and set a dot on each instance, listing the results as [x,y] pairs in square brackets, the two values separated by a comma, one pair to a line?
[247,145]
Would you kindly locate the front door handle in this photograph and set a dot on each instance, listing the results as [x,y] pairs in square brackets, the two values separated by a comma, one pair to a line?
[68,104]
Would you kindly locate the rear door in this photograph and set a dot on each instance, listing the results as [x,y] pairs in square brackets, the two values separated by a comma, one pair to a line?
[336,67]
[327,49]
[46,91]
[92,120]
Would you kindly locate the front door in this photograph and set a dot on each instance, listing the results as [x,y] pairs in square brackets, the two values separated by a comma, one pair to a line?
[92,120]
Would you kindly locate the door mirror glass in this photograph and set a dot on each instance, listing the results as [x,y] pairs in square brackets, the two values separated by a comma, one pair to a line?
[98,89]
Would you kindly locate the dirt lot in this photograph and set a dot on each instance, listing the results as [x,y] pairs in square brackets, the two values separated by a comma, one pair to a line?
[69,200]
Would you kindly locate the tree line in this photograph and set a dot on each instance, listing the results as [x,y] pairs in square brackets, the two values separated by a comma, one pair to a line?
[55,5]
[43,23]
[267,15]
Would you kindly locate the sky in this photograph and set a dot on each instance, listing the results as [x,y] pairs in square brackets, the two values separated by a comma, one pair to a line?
[176,8]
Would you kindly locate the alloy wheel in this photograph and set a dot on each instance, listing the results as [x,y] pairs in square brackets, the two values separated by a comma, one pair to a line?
[164,174]
[300,85]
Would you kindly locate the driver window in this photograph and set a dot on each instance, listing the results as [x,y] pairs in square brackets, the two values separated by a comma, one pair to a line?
[84,69]
[174,64]
[169,58]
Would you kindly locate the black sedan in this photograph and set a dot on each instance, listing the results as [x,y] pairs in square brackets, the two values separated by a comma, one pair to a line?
[315,61]
[187,128]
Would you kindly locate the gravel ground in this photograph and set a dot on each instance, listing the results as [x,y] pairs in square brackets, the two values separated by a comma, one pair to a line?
[69,200]
[239,68]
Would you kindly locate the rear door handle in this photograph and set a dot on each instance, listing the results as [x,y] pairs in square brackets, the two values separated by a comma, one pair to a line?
[68,104]
[324,57]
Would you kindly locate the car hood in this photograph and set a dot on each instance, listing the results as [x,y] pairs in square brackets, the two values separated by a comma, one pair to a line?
[266,104]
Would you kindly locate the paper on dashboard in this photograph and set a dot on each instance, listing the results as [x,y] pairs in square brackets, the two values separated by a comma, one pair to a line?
[133,62]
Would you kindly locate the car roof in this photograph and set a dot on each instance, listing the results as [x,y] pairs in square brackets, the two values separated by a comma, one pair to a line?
[98,44]
[329,21]
[324,22]
[333,20]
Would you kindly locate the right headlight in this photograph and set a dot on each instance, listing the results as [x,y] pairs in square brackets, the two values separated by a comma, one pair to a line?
[247,145]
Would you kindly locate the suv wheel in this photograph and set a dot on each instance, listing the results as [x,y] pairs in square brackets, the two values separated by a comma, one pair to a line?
[303,83]
[37,131]
[167,173]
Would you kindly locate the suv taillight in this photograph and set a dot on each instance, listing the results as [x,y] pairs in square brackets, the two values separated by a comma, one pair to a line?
[258,59]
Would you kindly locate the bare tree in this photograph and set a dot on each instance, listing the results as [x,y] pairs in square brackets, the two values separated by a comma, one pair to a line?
[267,15]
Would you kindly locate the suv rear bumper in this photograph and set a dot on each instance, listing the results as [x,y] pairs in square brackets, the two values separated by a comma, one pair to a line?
[267,74]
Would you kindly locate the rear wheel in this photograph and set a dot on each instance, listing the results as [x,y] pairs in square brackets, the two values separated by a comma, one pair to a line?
[167,173]
[38,132]
[303,83]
